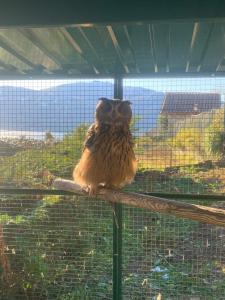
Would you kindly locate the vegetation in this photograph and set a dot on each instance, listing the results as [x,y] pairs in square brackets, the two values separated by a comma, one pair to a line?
[27,167]
[59,247]
[163,123]
[57,257]
[215,135]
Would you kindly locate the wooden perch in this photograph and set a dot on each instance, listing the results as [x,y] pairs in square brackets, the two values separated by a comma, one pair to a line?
[179,209]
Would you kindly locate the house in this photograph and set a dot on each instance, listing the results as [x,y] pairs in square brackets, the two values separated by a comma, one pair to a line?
[189,110]
[187,104]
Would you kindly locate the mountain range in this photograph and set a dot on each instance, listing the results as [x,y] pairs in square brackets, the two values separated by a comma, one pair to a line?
[64,107]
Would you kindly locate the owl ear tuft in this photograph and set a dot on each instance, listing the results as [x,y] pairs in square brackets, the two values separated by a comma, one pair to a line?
[103,99]
[127,102]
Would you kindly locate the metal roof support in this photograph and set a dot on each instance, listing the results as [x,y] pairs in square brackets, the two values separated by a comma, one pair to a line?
[219,64]
[193,39]
[205,47]
[131,48]
[117,48]
[27,33]
[77,48]
[91,47]
[109,76]
[152,46]
[168,50]
[5,46]
[117,221]
[8,68]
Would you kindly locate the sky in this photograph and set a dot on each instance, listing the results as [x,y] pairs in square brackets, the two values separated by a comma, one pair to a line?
[197,84]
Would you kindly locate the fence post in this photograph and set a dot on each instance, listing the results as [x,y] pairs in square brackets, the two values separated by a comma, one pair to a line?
[117,223]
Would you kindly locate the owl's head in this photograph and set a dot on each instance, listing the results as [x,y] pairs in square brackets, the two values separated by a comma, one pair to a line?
[113,112]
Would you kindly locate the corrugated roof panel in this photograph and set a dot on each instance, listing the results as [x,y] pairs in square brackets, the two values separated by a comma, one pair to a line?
[87,50]
[215,50]
[22,45]
[96,40]
[56,43]
[141,42]
[180,44]
[141,48]
[124,47]
[221,66]
[161,34]
[200,45]
[101,41]
[11,60]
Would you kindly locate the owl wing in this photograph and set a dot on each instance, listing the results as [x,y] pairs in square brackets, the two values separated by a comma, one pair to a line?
[90,138]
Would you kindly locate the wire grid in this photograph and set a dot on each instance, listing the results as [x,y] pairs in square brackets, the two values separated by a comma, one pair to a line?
[42,132]
[171,257]
[179,134]
[42,127]
[165,256]
[55,247]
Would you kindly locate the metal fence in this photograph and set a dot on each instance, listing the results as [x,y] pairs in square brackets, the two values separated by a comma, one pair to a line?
[54,245]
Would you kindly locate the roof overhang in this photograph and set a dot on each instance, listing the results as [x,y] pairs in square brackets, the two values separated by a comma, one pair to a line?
[58,39]
[61,13]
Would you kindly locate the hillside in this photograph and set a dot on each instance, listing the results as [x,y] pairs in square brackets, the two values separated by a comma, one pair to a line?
[64,107]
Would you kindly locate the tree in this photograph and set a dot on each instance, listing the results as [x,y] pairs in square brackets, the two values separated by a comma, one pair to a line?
[216,143]
[187,139]
[163,123]
[215,135]
[133,126]
[49,138]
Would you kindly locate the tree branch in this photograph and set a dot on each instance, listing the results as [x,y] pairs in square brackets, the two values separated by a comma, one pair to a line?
[199,213]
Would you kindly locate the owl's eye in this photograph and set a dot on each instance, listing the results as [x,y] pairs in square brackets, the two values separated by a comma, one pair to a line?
[106,107]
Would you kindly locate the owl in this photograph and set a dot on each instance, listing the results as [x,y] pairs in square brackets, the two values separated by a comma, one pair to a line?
[108,158]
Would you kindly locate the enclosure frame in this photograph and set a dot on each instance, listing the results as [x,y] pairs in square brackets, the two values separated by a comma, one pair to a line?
[118,215]
[37,16]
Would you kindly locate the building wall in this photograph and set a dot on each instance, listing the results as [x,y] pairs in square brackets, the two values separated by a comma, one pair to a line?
[200,121]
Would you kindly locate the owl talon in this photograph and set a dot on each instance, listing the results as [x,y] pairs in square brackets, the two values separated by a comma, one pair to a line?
[85,190]
[91,191]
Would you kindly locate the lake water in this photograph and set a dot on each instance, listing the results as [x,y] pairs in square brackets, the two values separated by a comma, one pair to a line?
[37,135]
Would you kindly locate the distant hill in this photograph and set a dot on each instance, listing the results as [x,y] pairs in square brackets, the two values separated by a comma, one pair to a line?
[64,107]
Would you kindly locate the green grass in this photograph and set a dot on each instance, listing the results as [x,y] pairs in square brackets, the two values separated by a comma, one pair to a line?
[57,243]
[26,167]
[61,247]
[69,238]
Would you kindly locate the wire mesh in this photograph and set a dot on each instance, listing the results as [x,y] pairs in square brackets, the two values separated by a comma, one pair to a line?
[179,134]
[170,258]
[55,247]
[42,126]
[60,247]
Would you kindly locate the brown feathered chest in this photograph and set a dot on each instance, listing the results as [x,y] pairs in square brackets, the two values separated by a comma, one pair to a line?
[108,158]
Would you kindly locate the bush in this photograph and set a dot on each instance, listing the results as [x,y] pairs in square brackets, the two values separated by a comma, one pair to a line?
[187,139]
[215,135]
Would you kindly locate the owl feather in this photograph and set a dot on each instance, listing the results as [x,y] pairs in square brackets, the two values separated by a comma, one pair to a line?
[108,158]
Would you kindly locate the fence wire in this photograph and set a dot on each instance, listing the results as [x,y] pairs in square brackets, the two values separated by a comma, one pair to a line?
[55,247]
[172,258]
[179,134]
[60,247]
